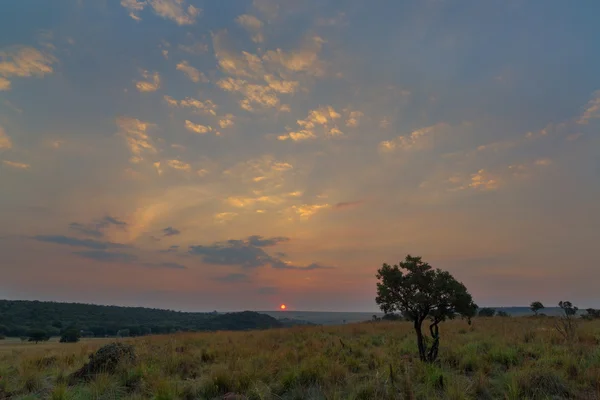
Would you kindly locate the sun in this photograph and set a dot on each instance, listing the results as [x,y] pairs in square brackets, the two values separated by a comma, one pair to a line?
[282,307]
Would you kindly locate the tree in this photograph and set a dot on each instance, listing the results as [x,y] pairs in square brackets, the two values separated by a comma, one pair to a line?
[566,324]
[70,336]
[536,306]
[420,292]
[38,335]
[486,312]
[502,314]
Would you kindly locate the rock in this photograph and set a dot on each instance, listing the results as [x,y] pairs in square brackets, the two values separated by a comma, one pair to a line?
[105,360]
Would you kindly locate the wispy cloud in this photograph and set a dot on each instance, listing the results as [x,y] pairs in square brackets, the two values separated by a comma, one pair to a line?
[194,74]
[17,165]
[170,231]
[197,128]
[206,107]
[323,119]
[151,84]
[175,10]
[348,204]
[136,135]
[592,110]
[5,142]
[419,139]
[253,25]
[23,62]
[98,227]
[76,242]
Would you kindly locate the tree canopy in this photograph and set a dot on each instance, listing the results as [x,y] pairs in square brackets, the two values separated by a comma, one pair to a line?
[536,306]
[420,292]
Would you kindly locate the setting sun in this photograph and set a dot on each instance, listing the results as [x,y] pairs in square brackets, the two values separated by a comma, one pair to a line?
[282,307]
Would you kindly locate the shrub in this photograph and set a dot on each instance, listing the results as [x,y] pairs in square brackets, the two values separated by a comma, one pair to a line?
[70,336]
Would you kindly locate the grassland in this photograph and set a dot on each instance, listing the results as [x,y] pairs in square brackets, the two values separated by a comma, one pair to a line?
[495,358]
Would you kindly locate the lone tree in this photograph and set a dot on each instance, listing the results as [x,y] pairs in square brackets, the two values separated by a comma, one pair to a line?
[419,292]
[486,312]
[536,306]
[71,335]
[38,335]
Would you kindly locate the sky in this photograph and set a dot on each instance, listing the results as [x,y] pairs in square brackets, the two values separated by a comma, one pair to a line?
[236,155]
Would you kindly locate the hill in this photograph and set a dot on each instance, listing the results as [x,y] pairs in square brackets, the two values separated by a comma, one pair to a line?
[17,318]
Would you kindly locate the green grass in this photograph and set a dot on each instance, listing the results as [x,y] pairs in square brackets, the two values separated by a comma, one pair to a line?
[495,358]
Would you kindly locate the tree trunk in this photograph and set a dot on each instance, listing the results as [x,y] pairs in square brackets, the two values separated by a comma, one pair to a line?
[420,341]
[435,334]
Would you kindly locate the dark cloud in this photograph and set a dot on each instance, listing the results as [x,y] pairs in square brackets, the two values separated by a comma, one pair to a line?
[247,253]
[170,231]
[281,265]
[87,230]
[232,278]
[259,241]
[96,228]
[232,254]
[171,249]
[75,242]
[347,204]
[268,290]
[169,265]
[105,256]
[108,220]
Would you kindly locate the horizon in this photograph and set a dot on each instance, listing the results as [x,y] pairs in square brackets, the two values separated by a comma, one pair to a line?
[188,154]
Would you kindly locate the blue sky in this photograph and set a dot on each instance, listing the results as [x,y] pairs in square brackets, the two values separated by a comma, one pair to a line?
[237,155]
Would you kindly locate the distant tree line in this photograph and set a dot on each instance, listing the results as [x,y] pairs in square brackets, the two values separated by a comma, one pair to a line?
[39,321]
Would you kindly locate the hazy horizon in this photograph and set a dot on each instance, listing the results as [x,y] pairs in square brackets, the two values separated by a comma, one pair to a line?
[202,155]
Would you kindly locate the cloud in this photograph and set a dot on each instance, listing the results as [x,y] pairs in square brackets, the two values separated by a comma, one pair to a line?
[348,204]
[308,210]
[592,109]
[252,25]
[226,121]
[259,241]
[23,62]
[224,216]
[4,84]
[191,72]
[247,253]
[171,249]
[174,10]
[135,133]
[134,7]
[233,278]
[5,142]
[174,164]
[265,169]
[96,229]
[170,231]
[16,165]
[353,118]
[75,242]
[263,96]
[419,139]
[151,84]
[206,107]
[305,59]
[197,128]
[105,256]
[322,118]
[166,265]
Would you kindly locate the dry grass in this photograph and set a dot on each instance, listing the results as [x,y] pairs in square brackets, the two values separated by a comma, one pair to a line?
[497,358]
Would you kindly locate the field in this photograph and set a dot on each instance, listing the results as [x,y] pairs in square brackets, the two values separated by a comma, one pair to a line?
[494,358]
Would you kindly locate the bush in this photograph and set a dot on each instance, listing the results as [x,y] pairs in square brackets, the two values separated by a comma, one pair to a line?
[70,336]
[38,335]
[106,360]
